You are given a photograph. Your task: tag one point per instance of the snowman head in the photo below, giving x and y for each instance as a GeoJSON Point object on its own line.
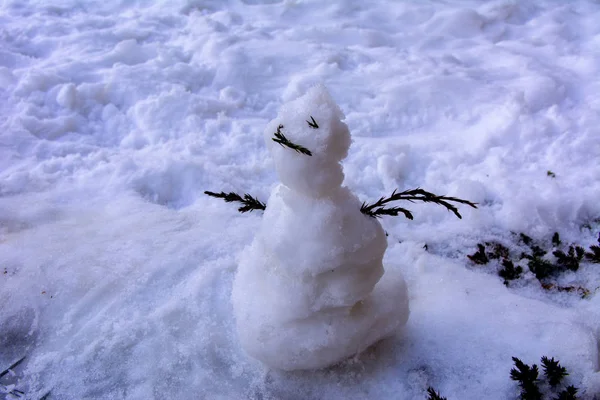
{"type": "Point", "coordinates": [313, 121]}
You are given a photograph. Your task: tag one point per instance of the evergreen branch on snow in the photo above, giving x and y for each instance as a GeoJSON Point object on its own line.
{"type": "Point", "coordinates": [284, 141]}
{"type": "Point", "coordinates": [249, 203]}
{"type": "Point", "coordinates": [378, 208]}
{"type": "Point", "coordinates": [312, 123]}
{"type": "Point", "coordinates": [570, 393]}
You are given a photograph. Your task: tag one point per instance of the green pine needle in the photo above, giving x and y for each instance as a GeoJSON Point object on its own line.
{"type": "Point", "coordinates": [284, 141]}
{"type": "Point", "coordinates": [378, 209]}
{"type": "Point", "coordinates": [249, 203]}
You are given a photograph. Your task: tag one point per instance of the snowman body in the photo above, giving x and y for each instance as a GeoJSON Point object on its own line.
{"type": "Point", "coordinates": [310, 290]}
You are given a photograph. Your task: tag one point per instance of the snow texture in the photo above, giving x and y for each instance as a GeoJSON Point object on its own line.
{"type": "Point", "coordinates": [305, 294]}
{"type": "Point", "coordinates": [116, 271]}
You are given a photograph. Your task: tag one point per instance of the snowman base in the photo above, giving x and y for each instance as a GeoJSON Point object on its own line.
{"type": "Point", "coordinates": [325, 338]}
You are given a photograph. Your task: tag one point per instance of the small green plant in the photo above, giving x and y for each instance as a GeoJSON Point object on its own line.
{"type": "Point", "coordinates": [499, 251]}
{"type": "Point", "coordinates": [479, 257]}
{"type": "Point", "coordinates": [433, 395]}
{"type": "Point", "coordinates": [553, 371]}
{"type": "Point", "coordinates": [528, 379]}
{"type": "Point", "coordinates": [509, 272]}
{"type": "Point", "coordinates": [540, 267]}
{"type": "Point", "coordinates": [570, 260]}
{"type": "Point", "coordinates": [554, 374]}
{"type": "Point", "coordinates": [249, 203]}
{"type": "Point", "coordinates": [526, 239]}
{"type": "Point", "coordinates": [551, 174]}
{"type": "Point", "coordinates": [570, 393]}
{"type": "Point", "coordinates": [566, 259]}
{"type": "Point", "coordinates": [594, 254]}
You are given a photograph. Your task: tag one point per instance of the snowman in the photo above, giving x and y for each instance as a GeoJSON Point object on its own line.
{"type": "Point", "coordinates": [310, 290]}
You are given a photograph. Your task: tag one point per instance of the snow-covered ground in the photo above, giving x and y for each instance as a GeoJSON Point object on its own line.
{"type": "Point", "coordinates": [116, 270]}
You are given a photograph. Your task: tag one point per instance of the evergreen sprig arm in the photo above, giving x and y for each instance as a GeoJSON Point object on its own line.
{"type": "Point", "coordinates": [249, 203]}
{"type": "Point", "coordinates": [284, 141]}
{"type": "Point", "coordinates": [378, 208]}
{"type": "Point", "coordinates": [393, 211]}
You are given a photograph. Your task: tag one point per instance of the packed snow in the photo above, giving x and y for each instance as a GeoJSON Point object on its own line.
{"type": "Point", "coordinates": [117, 271]}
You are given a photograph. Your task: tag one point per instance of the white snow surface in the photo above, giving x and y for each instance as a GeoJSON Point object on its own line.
{"type": "Point", "coordinates": [307, 293]}
{"type": "Point", "coordinates": [115, 116]}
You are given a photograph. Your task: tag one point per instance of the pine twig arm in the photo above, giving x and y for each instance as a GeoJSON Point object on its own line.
{"type": "Point", "coordinates": [373, 211]}
{"type": "Point", "coordinates": [378, 208]}
{"type": "Point", "coordinates": [284, 141]}
{"type": "Point", "coordinates": [249, 203]}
